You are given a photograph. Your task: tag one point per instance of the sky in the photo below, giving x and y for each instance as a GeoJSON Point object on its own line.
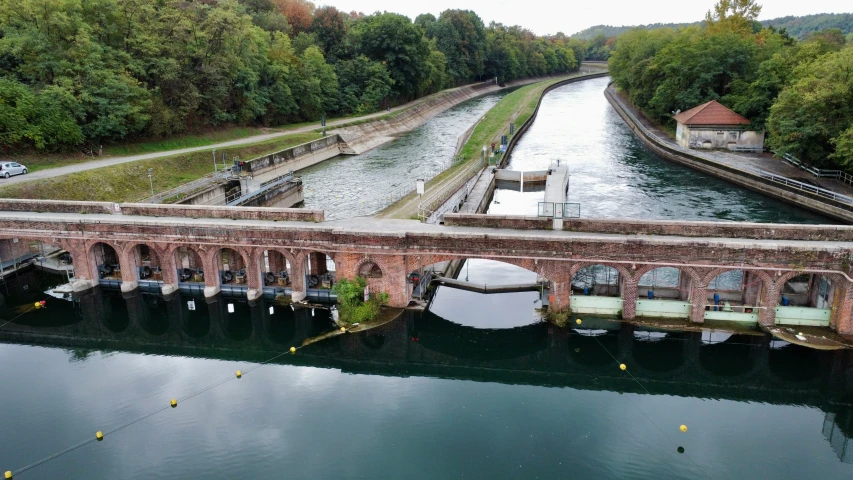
{"type": "Point", "coordinates": [545, 17]}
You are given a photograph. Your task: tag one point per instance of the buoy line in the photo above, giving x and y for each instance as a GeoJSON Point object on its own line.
{"type": "Point", "coordinates": [99, 436]}
{"type": "Point", "coordinates": [683, 428]}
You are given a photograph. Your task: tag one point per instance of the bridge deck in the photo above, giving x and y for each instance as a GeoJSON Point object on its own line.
{"type": "Point", "coordinates": [400, 228]}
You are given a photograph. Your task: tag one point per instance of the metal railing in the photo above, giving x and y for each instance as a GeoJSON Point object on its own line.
{"type": "Point", "coordinates": [795, 184]}
{"type": "Point", "coordinates": [237, 198]}
{"type": "Point", "coordinates": [818, 172]}
{"type": "Point", "coordinates": [805, 187]}
{"type": "Point", "coordinates": [433, 208]}
{"type": "Point", "coordinates": [188, 187]}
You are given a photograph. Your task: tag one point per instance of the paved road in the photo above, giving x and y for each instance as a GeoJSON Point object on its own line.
{"type": "Point", "coordinates": [106, 162]}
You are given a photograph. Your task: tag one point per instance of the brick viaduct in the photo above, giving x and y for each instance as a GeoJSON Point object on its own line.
{"type": "Point", "coordinates": [252, 239]}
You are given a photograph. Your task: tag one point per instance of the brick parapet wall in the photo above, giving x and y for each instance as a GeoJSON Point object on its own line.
{"type": "Point", "coordinates": [757, 231]}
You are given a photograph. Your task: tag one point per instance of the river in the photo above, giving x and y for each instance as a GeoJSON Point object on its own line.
{"type": "Point", "coordinates": [477, 386]}
{"type": "Point", "coordinates": [421, 397]}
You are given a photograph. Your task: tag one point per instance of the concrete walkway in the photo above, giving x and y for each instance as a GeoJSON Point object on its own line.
{"type": "Point", "coordinates": [367, 226]}
{"type": "Point", "coordinates": [742, 161]}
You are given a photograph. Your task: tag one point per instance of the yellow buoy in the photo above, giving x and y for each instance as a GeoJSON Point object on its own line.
{"type": "Point", "coordinates": [683, 428]}
{"type": "Point", "coordinates": [622, 366]}
{"type": "Point", "coordinates": [99, 436]}
{"type": "Point", "coordinates": [239, 374]}
{"type": "Point", "coordinates": [292, 349]}
{"type": "Point", "coordinates": [173, 403]}
{"type": "Point", "coordinates": [578, 321]}
{"type": "Point", "coordinates": [37, 305]}
{"type": "Point", "coordinates": [8, 474]}
{"type": "Point", "coordinates": [343, 329]}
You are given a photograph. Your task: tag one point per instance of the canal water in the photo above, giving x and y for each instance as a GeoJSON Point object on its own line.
{"type": "Point", "coordinates": [432, 395]}
{"type": "Point", "coordinates": [613, 175]}
{"type": "Point", "coordinates": [353, 186]}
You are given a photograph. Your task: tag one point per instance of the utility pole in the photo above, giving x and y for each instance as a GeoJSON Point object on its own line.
{"type": "Point", "coordinates": [214, 160]}
{"type": "Point", "coordinates": [151, 180]}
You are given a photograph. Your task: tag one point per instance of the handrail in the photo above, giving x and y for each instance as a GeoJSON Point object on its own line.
{"type": "Point", "coordinates": [779, 179]}
{"type": "Point", "coordinates": [818, 172]}
{"type": "Point", "coordinates": [435, 206]}
{"type": "Point", "coordinates": [187, 187]}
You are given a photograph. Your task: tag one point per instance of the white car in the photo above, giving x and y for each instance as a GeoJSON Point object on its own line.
{"type": "Point", "coordinates": [7, 169]}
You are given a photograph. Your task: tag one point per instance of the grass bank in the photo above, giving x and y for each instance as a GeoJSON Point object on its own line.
{"type": "Point", "coordinates": [518, 106]}
{"type": "Point", "coordinates": [128, 182]}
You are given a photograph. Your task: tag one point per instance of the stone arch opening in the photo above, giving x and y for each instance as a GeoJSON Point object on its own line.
{"type": "Point", "coordinates": [190, 265]}
{"type": "Point", "coordinates": [232, 267]}
{"type": "Point", "coordinates": [663, 283]}
{"type": "Point", "coordinates": [483, 293]}
{"type": "Point", "coordinates": [276, 268]}
{"type": "Point", "coordinates": [369, 269]}
{"type": "Point", "coordinates": [320, 270]}
{"type": "Point", "coordinates": [280, 324]}
{"type": "Point", "coordinates": [105, 261]}
{"type": "Point", "coordinates": [146, 262]}
{"type": "Point", "coordinates": [596, 280]}
{"type": "Point", "coordinates": [727, 291]}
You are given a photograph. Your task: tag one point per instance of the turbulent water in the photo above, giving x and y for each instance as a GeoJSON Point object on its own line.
{"type": "Point", "coordinates": [354, 186]}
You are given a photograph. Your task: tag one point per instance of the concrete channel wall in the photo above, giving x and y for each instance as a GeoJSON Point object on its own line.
{"type": "Point", "coordinates": [809, 201]}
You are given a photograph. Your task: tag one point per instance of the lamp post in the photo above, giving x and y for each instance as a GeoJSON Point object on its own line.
{"type": "Point", "coordinates": [151, 180]}
{"type": "Point", "coordinates": [485, 159]}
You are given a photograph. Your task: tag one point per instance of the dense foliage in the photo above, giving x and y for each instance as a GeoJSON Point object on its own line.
{"type": "Point", "coordinates": [93, 71]}
{"type": "Point", "coordinates": [351, 305]}
{"type": "Point", "coordinates": [800, 91]}
{"type": "Point", "coordinates": [798, 27]}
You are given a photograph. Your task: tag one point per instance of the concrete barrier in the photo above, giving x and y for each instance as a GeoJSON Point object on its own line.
{"type": "Point", "coordinates": [233, 213]}
{"type": "Point", "coordinates": [54, 206]}
{"type": "Point", "coordinates": [757, 231]}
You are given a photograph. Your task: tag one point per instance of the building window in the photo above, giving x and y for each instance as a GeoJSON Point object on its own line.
{"type": "Point", "coordinates": [733, 135]}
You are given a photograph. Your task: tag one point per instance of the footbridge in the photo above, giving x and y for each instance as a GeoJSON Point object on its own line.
{"type": "Point", "coordinates": [792, 274]}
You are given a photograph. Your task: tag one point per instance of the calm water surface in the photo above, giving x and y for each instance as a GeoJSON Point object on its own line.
{"type": "Point", "coordinates": [443, 394]}
{"type": "Point", "coordinates": [612, 175]}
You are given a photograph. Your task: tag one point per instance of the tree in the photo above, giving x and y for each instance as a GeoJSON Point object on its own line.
{"type": "Point", "coordinates": [812, 117]}
{"type": "Point", "coordinates": [734, 16]}
{"type": "Point", "coordinates": [399, 44]}
{"type": "Point", "coordinates": [330, 29]}
{"type": "Point", "coordinates": [299, 13]}
{"type": "Point", "coordinates": [460, 36]}
{"type": "Point", "coordinates": [365, 84]}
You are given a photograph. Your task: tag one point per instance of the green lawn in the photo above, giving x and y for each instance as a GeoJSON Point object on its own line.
{"type": "Point", "coordinates": [128, 182]}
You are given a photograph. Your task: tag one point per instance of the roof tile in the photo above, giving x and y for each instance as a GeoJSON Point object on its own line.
{"type": "Point", "coordinates": [711, 113]}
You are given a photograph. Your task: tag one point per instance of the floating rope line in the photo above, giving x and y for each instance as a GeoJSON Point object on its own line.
{"type": "Point", "coordinates": [30, 309]}
{"type": "Point", "coordinates": [649, 418]}
{"type": "Point", "coordinates": [148, 415]}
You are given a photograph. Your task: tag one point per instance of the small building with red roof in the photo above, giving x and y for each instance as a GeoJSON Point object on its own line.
{"type": "Point", "coordinates": [713, 125]}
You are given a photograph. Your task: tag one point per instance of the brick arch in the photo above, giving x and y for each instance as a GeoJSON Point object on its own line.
{"type": "Point", "coordinates": [619, 267]}
{"type": "Point", "coordinates": [366, 260]}
{"type": "Point", "coordinates": [549, 269]}
{"type": "Point", "coordinates": [780, 281]}
{"type": "Point", "coordinates": [690, 271]}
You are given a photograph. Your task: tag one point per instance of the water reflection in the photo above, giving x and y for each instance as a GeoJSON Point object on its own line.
{"type": "Point", "coordinates": [413, 382]}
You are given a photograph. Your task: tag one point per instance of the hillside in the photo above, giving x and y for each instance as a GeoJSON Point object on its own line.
{"type": "Point", "coordinates": [795, 26]}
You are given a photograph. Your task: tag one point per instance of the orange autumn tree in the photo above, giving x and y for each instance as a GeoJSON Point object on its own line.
{"type": "Point", "coordinates": [299, 13]}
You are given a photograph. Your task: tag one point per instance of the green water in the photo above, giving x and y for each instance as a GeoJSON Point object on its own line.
{"type": "Point", "coordinates": [613, 175]}
{"type": "Point", "coordinates": [440, 394]}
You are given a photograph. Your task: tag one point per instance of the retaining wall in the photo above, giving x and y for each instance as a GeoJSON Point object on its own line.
{"type": "Point", "coordinates": [815, 203]}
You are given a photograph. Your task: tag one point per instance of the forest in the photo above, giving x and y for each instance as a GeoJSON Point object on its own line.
{"type": "Point", "coordinates": [84, 72]}
{"type": "Point", "coordinates": [800, 91]}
